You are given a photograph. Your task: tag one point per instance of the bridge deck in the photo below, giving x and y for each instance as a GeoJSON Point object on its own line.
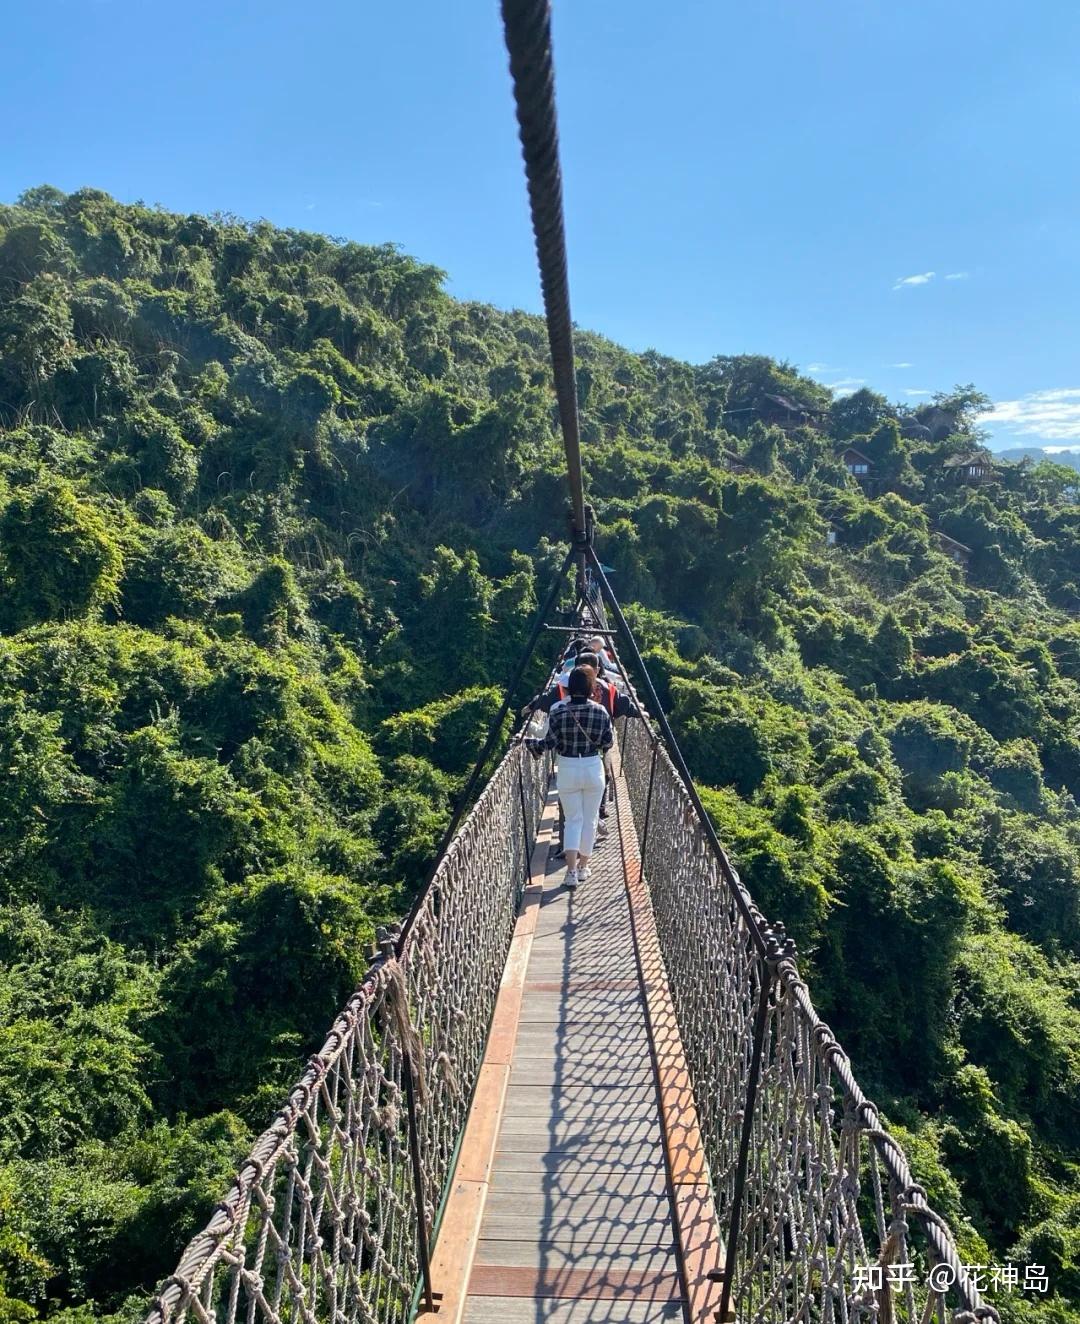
{"type": "Point", "coordinates": [584, 1218]}
{"type": "Point", "coordinates": [578, 1223]}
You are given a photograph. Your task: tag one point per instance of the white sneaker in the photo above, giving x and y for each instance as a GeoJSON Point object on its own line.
{"type": "Point", "coordinates": [571, 879]}
{"type": "Point", "coordinates": [583, 875]}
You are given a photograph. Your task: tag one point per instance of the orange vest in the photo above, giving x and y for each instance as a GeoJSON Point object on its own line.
{"type": "Point", "coordinates": [603, 693]}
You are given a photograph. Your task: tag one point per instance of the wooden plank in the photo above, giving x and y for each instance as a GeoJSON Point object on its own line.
{"type": "Point", "coordinates": [542, 1071]}
{"type": "Point", "coordinates": [580, 975]}
{"type": "Point", "coordinates": [602, 1281]}
{"type": "Point", "coordinates": [455, 1250]}
{"type": "Point", "coordinates": [556, 1166]}
{"type": "Point", "coordinates": [573, 1102]}
{"type": "Point", "coordinates": [556, 1043]}
{"type": "Point", "coordinates": [584, 1150]}
{"type": "Point", "coordinates": [577, 1253]}
{"type": "Point", "coordinates": [616, 1203]}
{"type": "Point", "coordinates": [570, 1036]}
{"type": "Point", "coordinates": [504, 1026]}
{"type": "Point", "coordinates": [702, 1251]}
{"type": "Point", "coordinates": [549, 1071]}
{"type": "Point", "coordinates": [555, 1310]}
{"type": "Point", "coordinates": [571, 1228]}
{"type": "Point", "coordinates": [615, 1127]}
{"type": "Point", "coordinates": [478, 1145]}
{"type": "Point", "coordinates": [530, 1253]}
{"type": "Point", "coordinates": [600, 1052]}
{"type": "Point", "coordinates": [589, 984]}
{"type": "Point", "coordinates": [583, 1185]}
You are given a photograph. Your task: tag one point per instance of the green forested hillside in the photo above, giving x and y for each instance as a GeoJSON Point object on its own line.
{"type": "Point", "coordinates": [273, 508]}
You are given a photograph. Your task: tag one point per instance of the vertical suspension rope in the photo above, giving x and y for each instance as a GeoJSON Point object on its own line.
{"type": "Point", "coordinates": [527, 25]}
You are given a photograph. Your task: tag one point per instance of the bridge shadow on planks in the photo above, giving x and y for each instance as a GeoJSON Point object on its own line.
{"type": "Point", "coordinates": [578, 1223]}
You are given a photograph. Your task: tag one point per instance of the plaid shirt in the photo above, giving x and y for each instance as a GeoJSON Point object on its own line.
{"type": "Point", "coordinates": [575, 729]}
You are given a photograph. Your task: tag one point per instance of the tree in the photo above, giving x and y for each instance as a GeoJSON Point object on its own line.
{"type": "Point", "coordinates": [856, 414]}
{"type": "Point", "coordinates": [58, 556]}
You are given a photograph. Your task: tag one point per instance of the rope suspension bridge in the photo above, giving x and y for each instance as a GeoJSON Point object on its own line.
{"type": "Point", "coordinates": [612, 1105]}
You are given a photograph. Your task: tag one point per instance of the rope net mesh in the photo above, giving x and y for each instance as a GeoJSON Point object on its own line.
{"type": "Point", "coordinates": [321, 1222]}
{"type": "Point", "coordinates": [832, 1226]}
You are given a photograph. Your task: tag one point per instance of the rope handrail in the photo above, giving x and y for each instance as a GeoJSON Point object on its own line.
{"type": "Point", "coordinates": [779, 1082]}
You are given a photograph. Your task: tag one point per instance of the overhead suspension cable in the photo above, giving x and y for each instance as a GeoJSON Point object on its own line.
{"type": "Point", "coordinates": [527, 25]}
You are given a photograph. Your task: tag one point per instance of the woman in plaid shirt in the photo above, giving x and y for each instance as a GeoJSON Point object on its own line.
{"type": "Point", "coordinates": [580, 732]}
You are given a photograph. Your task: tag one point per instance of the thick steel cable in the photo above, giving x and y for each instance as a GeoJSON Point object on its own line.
{"type": "Point", "coordinates": [527, 25]}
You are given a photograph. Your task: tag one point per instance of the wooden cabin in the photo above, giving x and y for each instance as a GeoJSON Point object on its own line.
{"type": "Point", "coordinates": [857, 464]}
{"type": "Point", "coordinates": [782, 412]}
{"type": "Point", "coordinates": [955, 551]}
{"type": "Point", "coordinates": [970, 467]}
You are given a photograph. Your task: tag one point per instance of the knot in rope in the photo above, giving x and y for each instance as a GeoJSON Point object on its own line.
{"type": "Point", "coordinates": [444, 1070]}
{"type": "Point", "coordinates": [396, 1008]}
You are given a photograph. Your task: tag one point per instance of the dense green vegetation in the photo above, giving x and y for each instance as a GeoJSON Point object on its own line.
{"type": "Point", "coordinates": [273, 509]}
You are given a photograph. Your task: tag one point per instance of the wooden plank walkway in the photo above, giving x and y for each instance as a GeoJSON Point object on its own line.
{"type": "Point", "coordinates": [581, 1195]}
{"type": "Point", "coordinates": [578, 1222]}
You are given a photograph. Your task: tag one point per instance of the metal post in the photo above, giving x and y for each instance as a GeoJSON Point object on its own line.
{"type": "Point", "coordinates": [648, 810]}
{"type": "Point", "coordinates": [768, 980]}
{"type": "Point", "coordinates": [418, 1180]}
{"type": "Point", "coordinates": [524, 816]}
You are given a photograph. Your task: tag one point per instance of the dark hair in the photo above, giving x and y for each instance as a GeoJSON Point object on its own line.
{"type": "Point", "coordinates": [580, 683]}
{"type": "Point", "coordinates": [574, 647]}
{"type": "Point", "coordinates": [589, 660]}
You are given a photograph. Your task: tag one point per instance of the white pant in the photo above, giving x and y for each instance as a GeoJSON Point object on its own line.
{"type": "Point", "coordinates": [581, 788]}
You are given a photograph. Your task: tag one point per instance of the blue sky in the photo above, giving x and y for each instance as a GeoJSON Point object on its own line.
{"type": "Point", "coordinates": [878, 192]}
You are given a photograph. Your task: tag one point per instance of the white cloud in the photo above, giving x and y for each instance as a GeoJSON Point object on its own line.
{"type": "Point", "coordinates": [818, 367]}
{"type": "Point", "coordinates": [957, 275]}
{"type": "Point", "coordinates": [1054, 415]}
{"type": "Point", "coordinates": [923, 278]}
{"type": "Point", "coordinates": [918, 393]}
{"type": "Point", "coordinates": [901, 365]}
{"type": "Point", "coordinates": [846, 385]}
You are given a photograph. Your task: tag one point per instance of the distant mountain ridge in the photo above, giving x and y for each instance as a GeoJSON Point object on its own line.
{"type": "Point", "coordinates": [1037, 453]}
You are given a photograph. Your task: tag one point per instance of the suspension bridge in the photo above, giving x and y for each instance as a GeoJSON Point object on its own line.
{"type": "Point", "coordinates": [609, 1106]}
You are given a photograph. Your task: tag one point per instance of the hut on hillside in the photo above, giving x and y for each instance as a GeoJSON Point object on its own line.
{"type": "Point", "coordinates": [974, 466]}
{"type": "Point", "coordinates": [955, 551]}
{"type": "Point", "coordinates": [783, 412]}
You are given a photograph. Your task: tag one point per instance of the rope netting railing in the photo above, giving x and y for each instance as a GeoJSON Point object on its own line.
{"type": "Point", "coordinates": [823, 1218]}
{"type": "Point", "coordinates": [322, 1221]}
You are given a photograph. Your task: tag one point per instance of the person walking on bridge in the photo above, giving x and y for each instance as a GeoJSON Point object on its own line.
{"type": "Point", "coordinates": [604, 692]}
{"type": "Point", "coordinates": [598, 645]}
{"type": "Point", "coordinates": [618, 704]}
{"type": "Point", "coordinates": [580, 732]}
